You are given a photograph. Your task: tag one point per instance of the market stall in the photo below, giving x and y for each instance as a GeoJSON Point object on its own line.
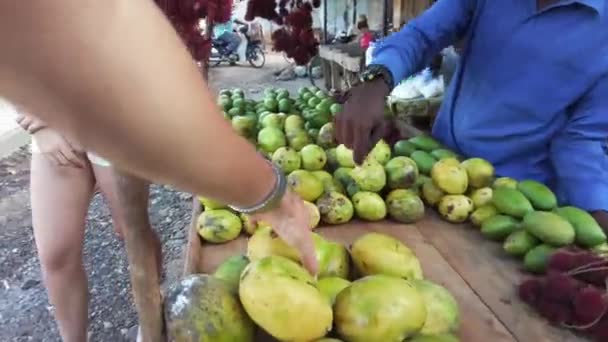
{"type": "Point", "coordinates": [446, 221]}
{"type": "Point", "coordinates": [466, 237]}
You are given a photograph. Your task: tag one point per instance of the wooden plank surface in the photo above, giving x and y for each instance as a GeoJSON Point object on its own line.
{"type": "Point", "coordinates": [478, 322]}
{"type": "Point", "coordinates": [493, 276]}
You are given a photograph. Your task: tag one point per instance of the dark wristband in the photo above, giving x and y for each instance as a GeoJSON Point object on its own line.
{"type": "Point", "coordinates": [378, 71]}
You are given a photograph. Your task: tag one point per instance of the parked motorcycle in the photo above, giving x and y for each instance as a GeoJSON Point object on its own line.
{"type": "Point", "coordinates": [254, 54]}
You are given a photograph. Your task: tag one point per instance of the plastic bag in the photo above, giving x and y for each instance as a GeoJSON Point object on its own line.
{"type": "Point", "coordinates": [404, 91]}
{"type": "Point", "coordinates": [369, 54]}
{"type": "Point", "coordinates": [241, 50]}
{"type": "Point", "coordinates": [432, 88]}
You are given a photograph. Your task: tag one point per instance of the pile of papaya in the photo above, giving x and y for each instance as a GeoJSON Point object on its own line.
{"type": "Point", "coordinates": [373, 290]}
{"type": "Point", "coordinates": [289, 132]}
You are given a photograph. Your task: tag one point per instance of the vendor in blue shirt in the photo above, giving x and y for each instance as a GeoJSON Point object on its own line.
{"type": "Point", "coordinates": [530, 93]}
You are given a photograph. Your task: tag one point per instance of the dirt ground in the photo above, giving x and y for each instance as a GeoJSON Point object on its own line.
{"type": "Point", "coordinates": [25, 312]}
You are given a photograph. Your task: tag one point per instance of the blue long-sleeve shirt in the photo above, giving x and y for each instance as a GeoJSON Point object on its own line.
{"type": "Point", "coordinates": [530, 93]}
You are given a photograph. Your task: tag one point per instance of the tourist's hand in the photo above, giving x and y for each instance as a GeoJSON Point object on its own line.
{"type": "Point", "coordinates": [291, 221]}
{"type": "Point", "coordinates": [29, 123]}
{"type": "Point", "coordinates": [58, 150]}
{"type": "Point", "coordinates": [361, 123]}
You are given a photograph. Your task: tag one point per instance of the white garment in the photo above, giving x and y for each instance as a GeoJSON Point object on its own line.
{"type": "Point", "coordinates": [241, 50]}
{"type": "Point", "coordinates": [93, 158]}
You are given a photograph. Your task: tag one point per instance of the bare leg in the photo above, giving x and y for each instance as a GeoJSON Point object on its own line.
{"type": "Point", "coordinates": [143, 250]}
{"type": "Point", "coordinates": [60, 199]}
{"type": "Point", "coordinates": [107, 179]}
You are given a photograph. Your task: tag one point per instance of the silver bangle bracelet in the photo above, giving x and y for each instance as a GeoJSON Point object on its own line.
{"type": "Point", "coordinates": [273, 198]}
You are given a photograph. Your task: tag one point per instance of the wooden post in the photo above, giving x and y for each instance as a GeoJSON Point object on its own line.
{"type": "Point", "coordinates": [385, 18]}
{"type": "Point", "coordinates": [193, 252]}
{"type": "Point", "coordinates": [397, 13]}
{"type": "Point", "coordinates": [326, 65]}
{"type": "Point", "coordinates": [208, 36]}
{"type": "Point", "coordinates": [211, 10]}
{"type": "Point", "coordinates": [325, 40]}
{"type": "Point", "coordinates": [336, 77]}
{"type": "Point", "coordinates": [140, 244]}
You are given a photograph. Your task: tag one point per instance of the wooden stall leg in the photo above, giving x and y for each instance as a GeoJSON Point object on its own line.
{"type": "Point", "coordinates": [193, 250]}
{"type": "Point", "coordinates": [336, 79]}
{"type": "Point", "coordinates": [141, 244]}
{"type": "Point", "coordinates": [326, 65]}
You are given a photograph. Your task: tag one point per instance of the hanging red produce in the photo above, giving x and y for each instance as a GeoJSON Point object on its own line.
{"type": "Point", "coordinates": [185, 15]}
{"type": "Point", "coordinates": [296, 37]}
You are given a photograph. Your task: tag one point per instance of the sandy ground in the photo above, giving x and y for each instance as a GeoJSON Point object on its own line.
{"type": "Point", "coordinates": [25, 312]}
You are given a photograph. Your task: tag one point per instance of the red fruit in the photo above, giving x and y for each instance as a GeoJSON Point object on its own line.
{"type": "Point", "coordinates": [530, 290]}
{"type": "Point", "coordinates": [307, 7]}
{"type": "Point", "coordinates": [224, 11]}
{"type": "Point", "coordinates": [250, 13]}
{"type": "Point", "coordinates": [585, 258]}
{"type": "Point", "coordinates": [589, 305]}
{"type": "Point", "coordinates": [300, 19]}
{"type": "Point", "coordinates": [562, 261]}
{"type": "Point", "coordinates": [600, 330]}
{"type": "Point", "coordinates": [560, 288]}
{"type": "Point", "coordinates": [554, 312]}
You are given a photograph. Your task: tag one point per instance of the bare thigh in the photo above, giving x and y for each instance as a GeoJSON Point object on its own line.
{"type": "Point", "coordinates": [60, 198]}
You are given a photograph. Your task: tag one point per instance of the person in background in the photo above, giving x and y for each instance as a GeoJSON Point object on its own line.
{"type": "Point", "coordinates": [365, 36]}
{"type": "Point", "coordinates": [530, 101]}
{"type": "Point", "coordinates": [63, 180]}
{"type": "Point", "coordinates": [224, 32]}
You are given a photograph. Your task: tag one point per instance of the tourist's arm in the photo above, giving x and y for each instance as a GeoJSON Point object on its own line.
{"type": "Point", "coordinates": [115, 76]}
{"type": "Point", "coordinates": [579, 154]}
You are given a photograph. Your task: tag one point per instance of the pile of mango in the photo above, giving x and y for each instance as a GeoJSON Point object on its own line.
{"type": "Point", "coordinates": [523, 215]}
{"type": "Point", "coordinates": [383, 297]}
{"type": "Point", "coordinates": [301, 142]}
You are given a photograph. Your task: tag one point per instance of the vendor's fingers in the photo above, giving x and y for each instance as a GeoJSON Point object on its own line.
{"type": "Point", "coordinates": [362, 143]}
{"type": "Point", "coordinates": [339, 126]}
{"type": "Point", "coordinates": [378, 132]}
{"type": "Point", "coordinates": [349, 134]}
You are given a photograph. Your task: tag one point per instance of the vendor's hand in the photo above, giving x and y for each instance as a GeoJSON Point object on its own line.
{"type": "Point", "coordinates": [361, 123]}
{"type": "Point", "coordinates": [291, 221]}
{"type": "Point", "coordinates": [58, 150]}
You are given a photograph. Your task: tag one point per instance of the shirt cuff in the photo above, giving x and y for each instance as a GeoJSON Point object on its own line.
{"type": "Point", "coordinates": [389, 58]}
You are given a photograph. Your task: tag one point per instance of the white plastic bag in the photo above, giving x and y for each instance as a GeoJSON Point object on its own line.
{"type": "Point", "coordinates": [432, 88]}
{"type": "Point", "coordinates": [241, 50]}
{"type": "Point", "coordinates": [369, 53]}
{"type": "Point", "coordinates": [405, 91]}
